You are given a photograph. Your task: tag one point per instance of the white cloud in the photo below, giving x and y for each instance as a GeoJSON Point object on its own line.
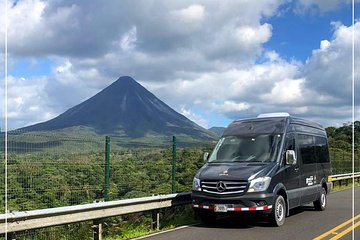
{"type": "Point", "coordinates": [202, 56]}
{"type": "Point", "coordinates": [328, 70]}
{"type": "Point", "coordinates": [230, 106]}
{"type": "Point", "coordinates": [194, 117]}
{"type": "Point", "coordinates": [239, 43]}
{"type": "Point", "coordinates": [192, 14]}
{"type": "Point", "coordinates": [23, 19]}
{"type": "Point", "coordinates": [322, 5]}
{"type": "Point", "coordinates": [128, 40]}
{"type": "Point", "coordinates": [27, 101]}
{"type": "Point", "coordinates": [324, 44]}
{"type": "Point", "coordinates": [285, 91]}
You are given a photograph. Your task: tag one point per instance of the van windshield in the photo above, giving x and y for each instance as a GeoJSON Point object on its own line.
{"type": "Point", "coordinates": [259, 148]}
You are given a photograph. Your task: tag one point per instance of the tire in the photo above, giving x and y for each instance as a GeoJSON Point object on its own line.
{"type": "Point", "coordinates": [278, 213]}
{"type": "Point", "coordinates": [320, 204]}
{"type": "Point", "coordinates": [206, 218]}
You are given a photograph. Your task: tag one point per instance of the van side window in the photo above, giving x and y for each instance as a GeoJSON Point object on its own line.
{"type": "Point", "coordinates": [321, 150]}
{"type": "Point", "coordinates": [313, 149]}
{"type": "Point", "coordinates": [290, 142]}
{"type": "Point", "coordinates": [306, 146]}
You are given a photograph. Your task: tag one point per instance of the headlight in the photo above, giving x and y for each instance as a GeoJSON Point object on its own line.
{"type": "Point", "coordinates": [196, 184]}
{"type": "Point", "coordinates": [259, 184]}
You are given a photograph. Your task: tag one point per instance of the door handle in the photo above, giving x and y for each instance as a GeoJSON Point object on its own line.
{"type": "Point", "coordinates": [297, 169]}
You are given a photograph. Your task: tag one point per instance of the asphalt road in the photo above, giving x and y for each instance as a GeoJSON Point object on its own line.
{"type": "Point", "coordinates": [303, 223]}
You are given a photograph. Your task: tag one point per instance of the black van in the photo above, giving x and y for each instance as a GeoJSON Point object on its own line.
{"type": "Point", "coordinates": [269, 165]}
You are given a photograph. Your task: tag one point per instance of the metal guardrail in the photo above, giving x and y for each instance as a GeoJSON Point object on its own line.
{"type": "Point", "coordinates": [339, 178]}
{"type": "Point", "coordinates": [20, 221]}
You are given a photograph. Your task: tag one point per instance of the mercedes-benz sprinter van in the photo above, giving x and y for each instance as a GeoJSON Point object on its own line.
{"type": "Point", "coordinates": [268, 165]}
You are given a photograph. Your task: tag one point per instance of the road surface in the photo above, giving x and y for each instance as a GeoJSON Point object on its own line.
{"type": "Point", "coordinates": [303, 223]}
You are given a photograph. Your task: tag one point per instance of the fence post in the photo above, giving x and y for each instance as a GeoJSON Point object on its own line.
{"type": "Point", "coordinates": [107, 168]}
{"type": "Point", "coordinates": [173, 183]}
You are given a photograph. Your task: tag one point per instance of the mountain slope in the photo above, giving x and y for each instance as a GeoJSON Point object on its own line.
{"type": "Point", "coordinates": [217, 130]}
{"type": "Point", "coordinates": [125, 106]}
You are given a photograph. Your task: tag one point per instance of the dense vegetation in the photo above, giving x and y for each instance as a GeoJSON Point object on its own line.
{"type": "Point", "coordinates": [340, 142]}
{"type": "Point", "coordinates": [341, 138]}
{"type": "Point", "coordinates": [50, 171]}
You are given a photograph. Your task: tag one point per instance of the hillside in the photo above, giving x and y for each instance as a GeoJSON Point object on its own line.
{"type": "Point", "coordinates": [217, 130]}
{"type": "Point", "coordinates": [128, 110]}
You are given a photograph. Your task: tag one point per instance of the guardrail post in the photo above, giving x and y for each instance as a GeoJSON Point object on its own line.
{"type": "Point", "coordinates": [9, 236]}
{"type": "Point", "coordinates": [107, 168]}
{"type": "Point", "coordinates": [173, 182]}
{"type": "Point", "coordinates": [155, 224]}
{"type": "Point", "coordinates": [97, 229]}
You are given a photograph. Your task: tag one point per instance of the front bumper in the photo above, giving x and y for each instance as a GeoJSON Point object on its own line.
{"type": "Point", "coordinates": [248, 202]}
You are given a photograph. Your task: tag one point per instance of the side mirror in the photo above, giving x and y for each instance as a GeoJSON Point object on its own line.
{"type": "Point", "coordinates": [206, 156]}
{"type": "Point", "coordinates": [290, 157]}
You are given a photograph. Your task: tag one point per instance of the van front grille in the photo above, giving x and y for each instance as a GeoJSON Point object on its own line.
{"type": "Point", "coordinates": [224, 187]}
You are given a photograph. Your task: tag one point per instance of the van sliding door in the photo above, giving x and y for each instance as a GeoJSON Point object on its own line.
{"type": "Point", "coordinates": [309, 177]}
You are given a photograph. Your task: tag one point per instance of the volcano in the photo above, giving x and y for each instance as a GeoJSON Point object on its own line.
{"type": "Point", "coordinates": [127, 107]}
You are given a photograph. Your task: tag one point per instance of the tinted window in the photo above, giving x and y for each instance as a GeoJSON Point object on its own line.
{"type": "Point", "coordinates": [321, 150]}
{"type": "Point", "coordinates": [313, 149]}
{"type": "Point", "coordinates": [306, 129]}
{"type": "Point", "coordinates": [290, 142]}
{"type": "Point", "coordinates": [306, 144]}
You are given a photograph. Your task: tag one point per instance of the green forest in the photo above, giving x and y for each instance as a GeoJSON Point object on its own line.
{"type": "Point", "coordinates": [46, 171]}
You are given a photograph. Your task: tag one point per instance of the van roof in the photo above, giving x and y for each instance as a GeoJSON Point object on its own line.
{"type": "Point", "coordinates": [292, 119]}
{"type": "Point", "coordinates": [270, 122]}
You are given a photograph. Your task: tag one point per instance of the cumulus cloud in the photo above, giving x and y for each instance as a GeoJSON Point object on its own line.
{"type": "Point", "coordinates": [194, 117]}
{"type": "Point", "coordinates": [329, 69]}
{"type": "Point", "coordinates": [240, 43]}
{"type": "Point", "coordinates": [128, 40]}
{"type": "Point", "coordinates": [303, 6]}
{"type": "Point", "coordinates": [207, 55]}
{"type": "Point", "coordinates": [190, 15]}
{"type": "Point", "coordinates": [285, 91]}
{"type": "Point", "coordinates": [237, 93]}
{"type": "Point", "coordinates": [230, 106]}
{"type": "Point", "coordinates": [26, 101]}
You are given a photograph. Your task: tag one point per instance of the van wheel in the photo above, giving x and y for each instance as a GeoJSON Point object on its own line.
{"type": "Point", "coordinates": [320, 204]}
{"type": "Point", "coordinates": [277, 215]}
{"type": "Point", "coordinates": [206, 218]}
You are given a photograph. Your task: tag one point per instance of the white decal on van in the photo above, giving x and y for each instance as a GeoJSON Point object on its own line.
{"type": "Point", "coordinates": [310, 180]}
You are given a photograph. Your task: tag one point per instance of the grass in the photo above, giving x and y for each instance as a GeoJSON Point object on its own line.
{"type": "Point", "coordinates": [132, 231]}
{"type": "Point", "coordinates": [342, 187]}
{"type": "Point", "coordinates": [170, 219]}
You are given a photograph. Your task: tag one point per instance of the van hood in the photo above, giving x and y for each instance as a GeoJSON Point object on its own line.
{"type": "Point", "coordinates": [234, 171]}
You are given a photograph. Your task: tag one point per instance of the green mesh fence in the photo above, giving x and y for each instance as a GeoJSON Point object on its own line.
{"type": "Point", "coordinates": [341, 160]}
{"type": "Point", "coordinates": [47, 170]}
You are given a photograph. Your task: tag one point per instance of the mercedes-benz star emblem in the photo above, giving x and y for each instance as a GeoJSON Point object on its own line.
{"type": "Point", "coordinates": [221, 186]}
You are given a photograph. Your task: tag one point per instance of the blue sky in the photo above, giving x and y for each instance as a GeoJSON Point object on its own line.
{"type": "Point", "coordinates": [213, 61]}
{"type": "Point", "coordinates": [296, 35]}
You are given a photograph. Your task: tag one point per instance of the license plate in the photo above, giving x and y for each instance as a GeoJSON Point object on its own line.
{"type": "Point", "coordinates": [220, 208]}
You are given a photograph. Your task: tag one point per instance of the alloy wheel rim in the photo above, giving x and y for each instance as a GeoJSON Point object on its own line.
{"type": "Point", "coordinates": [323, 200]}
{"type": "Point", "coordinates": [279, 211]}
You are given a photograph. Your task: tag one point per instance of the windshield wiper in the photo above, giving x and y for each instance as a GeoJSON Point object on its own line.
{"type": "Point", "coordinates": [220, 162]}
{"type": "Point", "coordinates": [247, 161]}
